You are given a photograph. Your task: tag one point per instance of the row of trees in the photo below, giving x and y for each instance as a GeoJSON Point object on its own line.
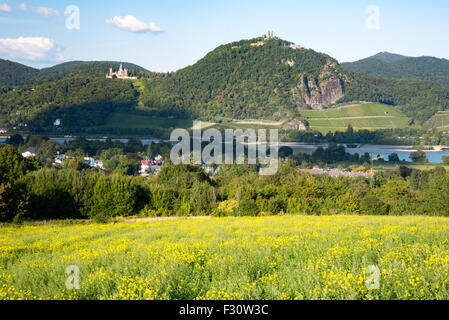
{"type": "Point", "coordinates": [28, 191]}
{"type": "Point", "coordinates": [405, 136]}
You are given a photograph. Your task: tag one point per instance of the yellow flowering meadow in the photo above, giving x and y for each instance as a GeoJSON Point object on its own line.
{"type": "Point", "coordinates": [283, 257]}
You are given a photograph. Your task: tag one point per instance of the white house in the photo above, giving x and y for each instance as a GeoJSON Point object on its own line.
{"type": "Point", "coordinates": [57, 122]}
{"type": "Point", "coordinates": [89, 161]}
{"type": "Point", "coordinates": [30, 152]}
{"type": "Point", "coordinates": [99, 164]}
{"type": "Point", "coordinates": [59, 158]}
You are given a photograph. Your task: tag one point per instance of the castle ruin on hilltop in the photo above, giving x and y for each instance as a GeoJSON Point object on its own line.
{"type": "Point", "coordinates": [122, 73]}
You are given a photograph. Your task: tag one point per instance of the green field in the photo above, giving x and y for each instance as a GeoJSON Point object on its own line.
{"type": "Point", "coordinates": [369, 116]}
{"type": "Point", "coordinates": [279, 257]}
{"type": "Point", "coordinates": [439, 121]}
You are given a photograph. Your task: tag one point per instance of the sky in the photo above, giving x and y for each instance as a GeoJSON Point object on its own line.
{"type": "Point", "coordinates": [166, 35]}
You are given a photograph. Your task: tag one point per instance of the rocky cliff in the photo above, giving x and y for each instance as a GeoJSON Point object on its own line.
{"type": "Point", "coordinates": [317, 92]}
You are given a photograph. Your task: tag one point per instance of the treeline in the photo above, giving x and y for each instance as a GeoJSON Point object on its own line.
{"type": "Point", "coordinates": [30, 192]}
{"type": "Point", "coordinates": [406, 136]}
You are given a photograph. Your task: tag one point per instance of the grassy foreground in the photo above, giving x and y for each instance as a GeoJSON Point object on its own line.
{"type": "Point", "coordinates": [286, 257]}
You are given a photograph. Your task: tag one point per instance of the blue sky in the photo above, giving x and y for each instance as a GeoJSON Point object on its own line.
{"type": "Point", "coordinates": [34, 32]}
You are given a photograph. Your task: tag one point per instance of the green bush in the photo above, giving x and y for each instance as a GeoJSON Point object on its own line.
{"type": "Point", "coordinates": [114, 196]}
{"type": "Point", "coordinates": [371, 205]}
{"type": "Point", "coordinates": [248, 207]}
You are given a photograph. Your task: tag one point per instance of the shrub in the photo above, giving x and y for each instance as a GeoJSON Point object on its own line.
{"type": "Point", "coordinates": [227, 208]}
{"type": "Point", "coordinates": [248, 207]}
{"type": "Point", "coordinates": [114, 196]}
{"type": "Point", "coordinates": [371, 205]}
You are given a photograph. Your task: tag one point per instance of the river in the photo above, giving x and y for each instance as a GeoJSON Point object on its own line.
{"type": "Point", "coordinates": [434, 156]}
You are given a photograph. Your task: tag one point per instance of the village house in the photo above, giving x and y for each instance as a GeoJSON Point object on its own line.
{"type": "Point", "coordinates": [99, 164]}
{"type": "Point", "coordinates": [151, 166]}
{"type": "Point", "coordinates": [89, 162]}
{"type": "Point", "coordinates": [30, 152]}
{"type": "Point", "coordinates": [59, 158]}
{"type": "Point", "coordinates": [145, 168]}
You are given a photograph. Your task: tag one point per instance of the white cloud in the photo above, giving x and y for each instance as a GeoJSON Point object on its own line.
{"type": "Point", "coordinates": [4, 7]}
{"type": "Point", "coordinates": [48, 12]}
{"type": "Point", "coordinates": [132, 24]}
{"type": "Point", "coordinates": [22, 6]}
{"type": "Point", "coordinates": [30, 48]}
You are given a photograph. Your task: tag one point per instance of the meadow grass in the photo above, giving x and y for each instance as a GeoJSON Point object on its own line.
{"type": "Point", "coordinates": [336, 119]}
{"type": "Point", "coordinates": [282, 257]}
{"type": "Point", "coordinates": [360, 110]}
{"type": "Point", "coordinates": [439, 121]}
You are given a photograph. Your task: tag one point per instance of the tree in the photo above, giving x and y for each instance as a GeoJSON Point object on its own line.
{"type": "Point", "coordinates": [13, 164]}
{"type": "Point", "coordinates": [405, 172]}
{"type": "Point", "coordinates": [393, 157]}
{"type": "Point", "coordinates": [419, 156]}
{"type": "Point", "coordinates": [285, 152]}
{"type": "Point", "coordinates": [113, 196]}
{"type": "Point", "coordinates": [372, 205]}
{"type": "Point", "coordinates": [436, 196]}
{"type": "Point", "coordinates": [15, 140]}
{"type": "Point", "coordinates": [445, 159]}
{"type": "Point", "coordinates": [47, 151]}
{"type": "Point", "coordinates": [14, 202]}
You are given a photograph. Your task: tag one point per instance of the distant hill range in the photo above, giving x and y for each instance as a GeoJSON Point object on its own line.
{"type": "Point", "coordinates": [391, 65]}
{"type": "Point", "coordinates": [14, 73]}
{"type": "Point", "coordinates": [266, 78]}
{"type": "Point", "coordinates": [260, 78]}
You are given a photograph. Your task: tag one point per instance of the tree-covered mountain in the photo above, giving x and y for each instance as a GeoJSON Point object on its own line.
{"type": "Point", "coordinates": [388, 57]}
{"type": "Point", "coordinates": [76, 92]}
{"type": "Point", "coordinates": [272, 78]}
{"type": "Point", "coordinates": [258, 78]}
{"type": "Point", "coordinates": [250, 79]}
{"type": "Point", "coordinates": [13, 73]}
{"type": "Point", "coordinates": [399, 67]}
{"type": "Point", "coordinates": [89, 68]}
{"type": "Point", "coordinates": [79, 100]}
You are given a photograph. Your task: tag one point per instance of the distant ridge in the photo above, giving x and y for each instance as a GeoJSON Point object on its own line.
{"type": "Point", "coordinates": [388, 57]}
{"type": "Point", "coordinates": [14, 73]}
{"type": "Point", "coordinates": [396, 66]}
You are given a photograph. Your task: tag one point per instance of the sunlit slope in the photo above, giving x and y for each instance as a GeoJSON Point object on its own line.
{"type": "Point", "coordinates": [360, 116]}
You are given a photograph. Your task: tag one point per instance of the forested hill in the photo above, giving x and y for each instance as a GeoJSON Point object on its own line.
{"type": "Point", "coordinates": [395, 66]}
{"type": "Point", "coordinates": [250, 79]}
{"type": "Point", "coordinates": [13, 73]}
{"type": "Point", "coordinates": [256, 78]}
{"type": "Point", "coordinates": [261, 78]}
{"type": "Point", "coordinates": [76, 92]}
{"type": "Point", "coordinates": [89, 68]}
